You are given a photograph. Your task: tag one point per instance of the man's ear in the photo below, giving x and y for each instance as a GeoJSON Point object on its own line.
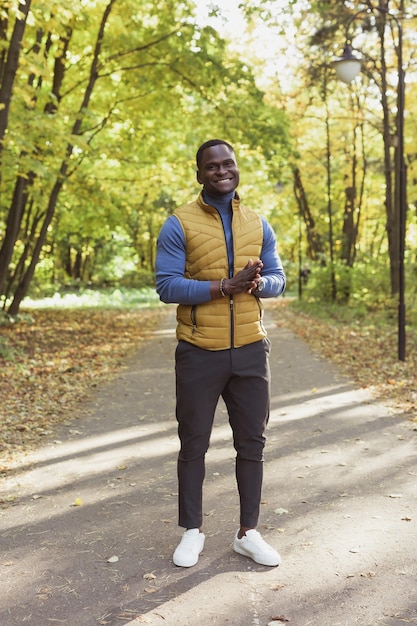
{"type": "Point", "coordinates": [197, 174]}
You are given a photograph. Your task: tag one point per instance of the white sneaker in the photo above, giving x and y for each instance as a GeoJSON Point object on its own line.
{"type": "Point", "coordinates": [189, 548]}
{"type": "Point", "coordinates": [256, 548]}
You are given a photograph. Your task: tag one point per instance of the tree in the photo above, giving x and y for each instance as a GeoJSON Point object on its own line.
{"type": "Point", "coordinates": [100, 99]}
{"type": "Point", "coordinates": [380, 24]}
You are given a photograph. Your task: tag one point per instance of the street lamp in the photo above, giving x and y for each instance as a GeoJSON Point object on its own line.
{"type": "Point", "coordinates": [347, 67]}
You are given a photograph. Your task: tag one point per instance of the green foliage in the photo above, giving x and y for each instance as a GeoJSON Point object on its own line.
{"type": "Point", "coordinates": [361, 291]}
{"type": "Point", "coordinates": [103, 129]}
{"type": "Point", "coordinates": [379, 316]}
{"type": "Point", "coordinates": [364, 283]}
{"type": "Point", "coordinates": [112, 123]}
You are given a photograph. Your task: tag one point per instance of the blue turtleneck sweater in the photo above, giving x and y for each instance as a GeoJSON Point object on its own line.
{"type": "Point", "coordinates": [223, 204]}
{"type": "Point", "coordinates": [171, 257]}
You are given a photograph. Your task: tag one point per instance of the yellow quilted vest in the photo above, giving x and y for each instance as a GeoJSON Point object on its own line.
{"type": "Point", "coordinates": [224, 322]}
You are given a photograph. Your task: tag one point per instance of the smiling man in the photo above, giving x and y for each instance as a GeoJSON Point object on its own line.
{"type": "Point", "coordinates": [216, 259]}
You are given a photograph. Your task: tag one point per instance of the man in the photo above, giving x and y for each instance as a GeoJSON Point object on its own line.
{"type": "Point", "coordinates": [216, 259]}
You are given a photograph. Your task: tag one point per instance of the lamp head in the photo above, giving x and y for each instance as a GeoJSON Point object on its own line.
{"type": "Point", "coordinates": [347, 66]}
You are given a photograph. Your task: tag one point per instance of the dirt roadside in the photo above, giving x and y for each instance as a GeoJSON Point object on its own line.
{"type": "Point", "coordinates": [89, 538]}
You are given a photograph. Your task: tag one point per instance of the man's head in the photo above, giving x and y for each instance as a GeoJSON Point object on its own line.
{"type": "Point", "coordinates": [217, 169]}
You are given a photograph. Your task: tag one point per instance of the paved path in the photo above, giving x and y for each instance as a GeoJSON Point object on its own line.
{"type": "Point", "coordinates": [339, 504]}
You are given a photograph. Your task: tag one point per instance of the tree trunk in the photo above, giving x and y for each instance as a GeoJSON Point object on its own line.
{"type": "Point", "coordinates": [10, 69]}
{"type": "Point", "coordinates": [349, 230]}
{"type": "Point", "coordinates": [314, 244]}
{"type": "Point", "coordinates": [23, 184]}
{"type": "Point", "coordinates": [353, 203]}
{"type": "Point", "coordinates": [14, 220]}
{"type": "Point", "coordinates": [24, 284]}
{"type": "Point", "coordinates": [333, 286]}
{"type": "Point", "coordinates": [389, 140]}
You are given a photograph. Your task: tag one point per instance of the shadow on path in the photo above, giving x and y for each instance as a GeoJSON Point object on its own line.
{"type": "Point", "coordinates": [339, 503]}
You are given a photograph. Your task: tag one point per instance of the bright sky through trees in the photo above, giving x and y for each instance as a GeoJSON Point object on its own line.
{"type": "Point", "coordinates": [259, 43]}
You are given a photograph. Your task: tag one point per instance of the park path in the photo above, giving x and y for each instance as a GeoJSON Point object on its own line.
{"type": "Point", "coordinates": [90, 536]}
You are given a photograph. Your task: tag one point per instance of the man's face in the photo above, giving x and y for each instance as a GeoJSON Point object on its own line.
{"type": "Point", "coordinates": [218, 171]}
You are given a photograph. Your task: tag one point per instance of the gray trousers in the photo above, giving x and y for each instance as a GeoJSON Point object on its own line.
{"type": "Point", "coordinates": [242, 377]}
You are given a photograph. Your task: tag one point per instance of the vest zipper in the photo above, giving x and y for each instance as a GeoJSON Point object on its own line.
{"type": "Point", "coordinates": [232, 324]}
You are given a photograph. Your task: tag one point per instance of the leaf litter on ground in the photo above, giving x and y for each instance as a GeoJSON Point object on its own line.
{"type": "Point", "coordinates": [53, 361]}
{"type": "Point", "coordinates": [364, 352]}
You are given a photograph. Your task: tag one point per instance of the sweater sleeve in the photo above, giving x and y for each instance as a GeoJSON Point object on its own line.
{"type": "Point", "coordinates": [272, 271]}
{"type": "Point", "coordinates": [171, 285]}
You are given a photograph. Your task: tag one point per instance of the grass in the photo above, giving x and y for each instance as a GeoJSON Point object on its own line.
{"type": "Point", "coordinates": [88, 298]}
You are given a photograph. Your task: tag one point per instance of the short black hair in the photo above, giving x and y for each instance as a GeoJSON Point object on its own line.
{"type": "Point", "coordinates": [209, 144]}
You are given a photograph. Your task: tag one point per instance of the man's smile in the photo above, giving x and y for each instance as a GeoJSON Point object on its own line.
{"type": "Point", "coordinates": [218, 171]}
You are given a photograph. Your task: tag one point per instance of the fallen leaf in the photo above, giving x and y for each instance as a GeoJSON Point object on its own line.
{"type": "Point", "coordinates": [52, 367]}
{"type": "Point", "coordinates": [149, 576]}
{"type": "Point", "coordinates": [281, 511]}
{"type": "Point", "coordinates": [77, 502]}
{"type": "Point", "coordinates": [113, 559]}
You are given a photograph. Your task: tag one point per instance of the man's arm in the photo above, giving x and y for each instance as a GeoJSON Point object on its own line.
{"type": "Point", "coordinates": [172, 287]}
{"type": "Point", "coordinates": [272, 272]}
{"type": "Point", "coordinates": [170, 266]}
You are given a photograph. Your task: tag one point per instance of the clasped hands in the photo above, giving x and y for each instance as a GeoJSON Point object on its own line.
{"type": "Point", "coordinates": [246, 280]}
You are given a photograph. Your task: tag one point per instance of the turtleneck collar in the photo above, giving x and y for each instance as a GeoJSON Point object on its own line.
{"type": "Point", "coordinates": [222, 203]}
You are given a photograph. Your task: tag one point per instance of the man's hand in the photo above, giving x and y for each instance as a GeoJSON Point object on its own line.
{"type": "Point", "coordinates": [246, 280]}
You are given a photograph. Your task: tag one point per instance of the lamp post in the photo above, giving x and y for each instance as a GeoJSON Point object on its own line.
{"type": "Point", "coordinates": [347, 68]}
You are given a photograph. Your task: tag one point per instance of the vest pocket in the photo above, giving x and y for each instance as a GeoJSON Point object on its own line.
{"type": "Point", "coordinates": [193, 317]}
{"type": "Point", "coordinates": [261, 314]}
